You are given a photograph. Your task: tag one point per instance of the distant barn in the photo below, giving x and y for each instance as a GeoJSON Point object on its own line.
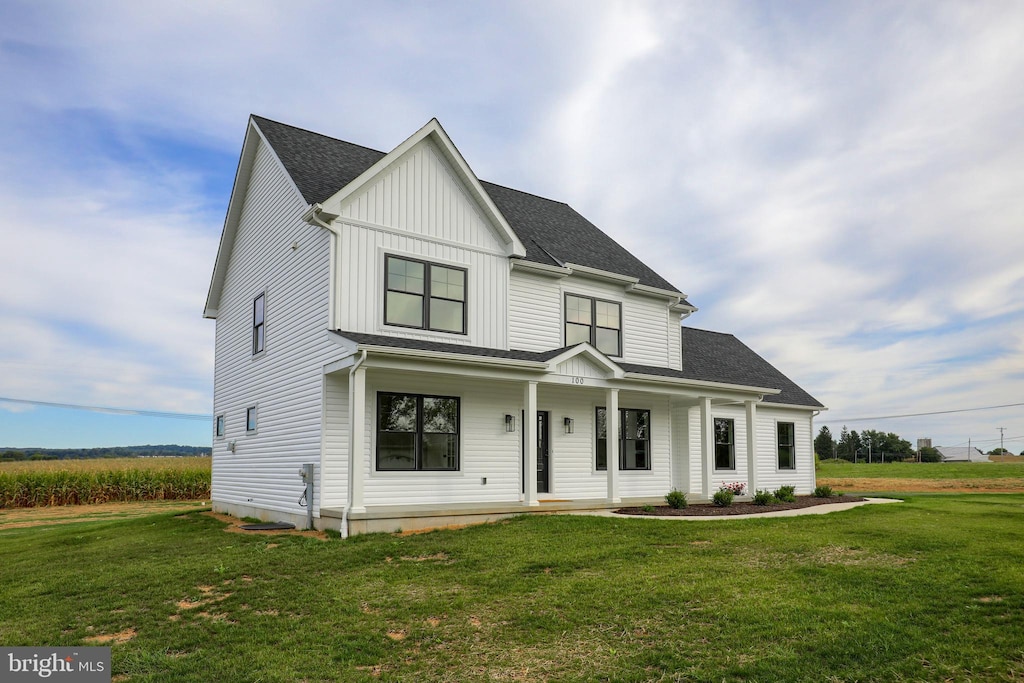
{"type": "Point", "coordinates": [961, 454]}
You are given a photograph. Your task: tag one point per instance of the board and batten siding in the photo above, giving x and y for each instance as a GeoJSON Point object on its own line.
{"type": "Point", "coordinates": [418, 208]}
{"type": "Point", "coordinates": [283, 382]}
{"type": "Point", "coordinates": [536, 318]}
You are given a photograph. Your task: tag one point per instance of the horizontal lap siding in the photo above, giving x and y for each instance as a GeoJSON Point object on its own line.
{"type": "Point", "coordinates": [681, 454]}
{"type": "Point", "coordinates": [644, 320]}
{"type": "Point", "coordinates": [285, 381]}
{"type": "Point", "coordinates": [535, 313]}
{"type": "Point", "coordinates": [487, 450]}
{"type": "Point", "coordinates": [573, 456]}
{"type": "Point", "coordinates": [658, 480]}
{"type": "Point", "coordinates": [334, 482]}
{"type": "Point", "coordinates": [696, 466]}
{"type": "Point", "coordinates": [770, 477]}
{"type": "Point", "coordinates": [360, 264]}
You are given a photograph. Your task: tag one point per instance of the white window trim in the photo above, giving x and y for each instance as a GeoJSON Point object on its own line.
{"type": "Point", "coordinates": [714, 459]}
{"type": "Point", "coordinates": [252, 325]}
{"type": "Point", "coordinates": [255, 408]}
{"type": "Point", "coordinates": [220, 425]}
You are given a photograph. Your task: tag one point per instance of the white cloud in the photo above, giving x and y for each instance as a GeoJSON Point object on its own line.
{"type": "Point", "coordinates": [836, 183]}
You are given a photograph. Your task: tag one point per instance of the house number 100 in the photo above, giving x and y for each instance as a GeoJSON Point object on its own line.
{"type": "Point", "coordinates": [577, 380]}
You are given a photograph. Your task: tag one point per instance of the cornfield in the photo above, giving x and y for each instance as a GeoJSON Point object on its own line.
{"type": "Point", "coordinates": [83, 482]}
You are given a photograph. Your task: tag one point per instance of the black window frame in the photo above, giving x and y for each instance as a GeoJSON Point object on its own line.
{"type": "Point", "coordinates": [730, 444]}
{"type": "Point", "coordinates": [251, 417]}
{"type": "Point", "coordinates": [418, 434]}
{"type": "Point", "coordinates": [622, 440]}
{"type": "Point", "coordinates": [593, 321]}
{"type": "Point", "coordinates": [218, 426]}
{"type": "Point", "coordinates": [259, 327]}
{"type": "Point", "coordinates": [426, 295]}
{"type": "Point", "coordinates": [779, 445]}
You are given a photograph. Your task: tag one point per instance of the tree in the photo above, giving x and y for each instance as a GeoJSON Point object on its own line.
{"type": "Point", "coordinates": [824, 444]}
{"type": "Point", "coordinates": [929, 454]}
{"type": "Point", "coordinates": [849, 444]}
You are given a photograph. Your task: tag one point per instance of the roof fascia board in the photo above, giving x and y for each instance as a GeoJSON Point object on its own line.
{"type": "Point", "coordinates": [765, 391]}
{"type": "Point", "coordinates": [657, 292]}
{"type": "Point", "coordinates": [433, 130]}
{"type": "Point", "coordinates": [243, 173]}
{"type": "Point", "coordinates": [448, 356]}
{"type": "Point", "coordinates": [540, 269]}
{"type": "Point", "coordinates": [598, 274]}
{"type": "Point", "coordinates": [792, 406]}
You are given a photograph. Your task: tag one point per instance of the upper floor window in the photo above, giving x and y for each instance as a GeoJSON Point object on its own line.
{"type": "Point", "coordinates": [725, 446]}
{"type": "Point", "coordinates": [424, 295]}
{"type": "Point", "coordinates": [258, 323]}
{"type": "Point", "coordinates": [416, 432]}
{"type": "Point", "coordinates": [786, 442]}
{"type": "Point", "coordinates": [218, 428]}
{"type": "Point", "coordinates": [634, 439]}
{"type": "Point", "coordinates": [250, 419]}
{"type": "Point", "coordinates": [595, 321]}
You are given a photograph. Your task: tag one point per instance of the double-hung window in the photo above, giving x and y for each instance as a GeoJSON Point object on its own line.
{"type": "Point", "coordinates": [594, 321]}
{"type": "Point", "coordinates": [258, 323]}
{"type": "Point", "coordinates": [725, 444]}
{"type": "Point", "coordinates": [786, 442]}
{"type": "Point", "coordinates": [634, 439]}
{"type": "Point", "coordinates": [416, 432]}
{"type": "Point", "coordinates": [427, 296]}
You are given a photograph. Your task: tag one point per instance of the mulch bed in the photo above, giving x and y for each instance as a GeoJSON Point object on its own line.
{"type": "Point", "coordinates": [744, 508]}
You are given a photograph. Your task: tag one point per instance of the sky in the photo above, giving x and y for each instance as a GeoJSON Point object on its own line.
{"type": "Point", "coordinates": [840, 185]}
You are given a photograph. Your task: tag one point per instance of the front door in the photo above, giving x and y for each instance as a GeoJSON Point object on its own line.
{"type": "Point", "coordinates": [543, 451]}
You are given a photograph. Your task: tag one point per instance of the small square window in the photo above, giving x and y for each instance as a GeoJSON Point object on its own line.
{"type": "Point", "coordinates": [218, 428]}
{"type": "Point", "coordinates": [250, 419]}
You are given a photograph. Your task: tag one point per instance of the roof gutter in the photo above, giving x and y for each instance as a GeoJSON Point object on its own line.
{"type": "Point", "coordinates": [453, 357]}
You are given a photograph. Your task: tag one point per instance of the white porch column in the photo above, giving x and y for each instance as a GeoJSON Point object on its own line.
{"type": "Point", "coordinates": [357, 439]}
{"type": "Point", "coordinates": [707, 445]}
{"type": "Point", "coordinates": [751, 446]}
{"type": "Point", "coordinates": [612, 439]}
{"type": "Point", "coordinates": [530, 442]}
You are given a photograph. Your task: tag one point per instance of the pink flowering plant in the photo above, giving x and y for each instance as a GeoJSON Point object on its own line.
{"type": "Point", "coordinates": [737, 488]}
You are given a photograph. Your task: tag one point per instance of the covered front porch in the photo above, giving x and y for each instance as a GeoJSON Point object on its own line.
{"type": "Point", "coordinates": [531, 436]}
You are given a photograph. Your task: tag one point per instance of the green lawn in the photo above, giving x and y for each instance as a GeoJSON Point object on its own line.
{"type": "Point", "coordinates": [930, 589]}
{"type": "Point", "coordinates": [924, 470]}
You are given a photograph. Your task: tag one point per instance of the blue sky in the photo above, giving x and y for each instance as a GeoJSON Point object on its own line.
{"type": "Point", "coordinates": [838, 184]}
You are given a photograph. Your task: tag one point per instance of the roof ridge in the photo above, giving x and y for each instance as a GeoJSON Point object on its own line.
{"type": "Point", "coordinates": [322, 135]}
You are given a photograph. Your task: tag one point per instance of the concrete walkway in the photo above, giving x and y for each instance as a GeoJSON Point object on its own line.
{"type": "Point", "coordinates": [813, 510]}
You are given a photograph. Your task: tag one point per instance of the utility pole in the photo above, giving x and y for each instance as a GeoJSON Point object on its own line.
{"type": "Point", "coordinates": [1002, 451]}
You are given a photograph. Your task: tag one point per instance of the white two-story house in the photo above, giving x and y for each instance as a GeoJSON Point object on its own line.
{"type": "Point", "coordinates": [444, 350]}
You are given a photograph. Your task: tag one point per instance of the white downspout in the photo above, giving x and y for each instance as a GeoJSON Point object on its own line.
{"type": "Point", "coordinates": [351, 444]}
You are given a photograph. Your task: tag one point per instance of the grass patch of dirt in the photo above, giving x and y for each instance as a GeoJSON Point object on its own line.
{"type": "Point", "coordinates": [234, 526]}
{"type": "Point", "coordinates": [111, 638]}
{"type": "Point", "coordinates": [867, 484]}
{"type": "Point", "coordinates": [19, 518]}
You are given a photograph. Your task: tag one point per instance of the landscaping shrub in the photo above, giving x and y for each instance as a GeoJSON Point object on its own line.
{"type": "Point", "coordinates": [824, 491]}
{"type": "Point", "coordinates": [647, 508]}
{"type": "Point", "coordinates": [723, 497]}
{"type": "Point", "coordinates": [676, 499]}
{"type": "Point", "coordinates": [763, 497]}
{"type": "Point", "coordinates": [738, 488]}
{"type": "Point", "coordinates": [785, 494]}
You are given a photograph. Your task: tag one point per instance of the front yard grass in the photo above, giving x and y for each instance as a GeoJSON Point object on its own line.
{"type": "Point", "coordinates": [931, 589]}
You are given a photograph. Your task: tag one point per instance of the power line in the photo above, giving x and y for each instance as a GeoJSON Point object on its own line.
{"type": "Point", "coordinates": [937, 412]}
{"type": "Point", "coordinates": [104, 409]}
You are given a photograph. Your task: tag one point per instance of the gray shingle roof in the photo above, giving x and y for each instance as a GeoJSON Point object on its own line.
{"type": "Point", "coordinates": [320, 166]}
{"type": "Point", "coordinates": [707, 356]}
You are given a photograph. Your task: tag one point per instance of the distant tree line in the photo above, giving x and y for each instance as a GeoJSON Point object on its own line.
{"type": "Point", "coordinates": [868, 445]}
{"type": "Point", "coordinates": [170, 450]}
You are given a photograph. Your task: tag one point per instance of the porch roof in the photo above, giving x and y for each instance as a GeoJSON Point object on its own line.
{"type": "Point", "coordinates": [707, 357]}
